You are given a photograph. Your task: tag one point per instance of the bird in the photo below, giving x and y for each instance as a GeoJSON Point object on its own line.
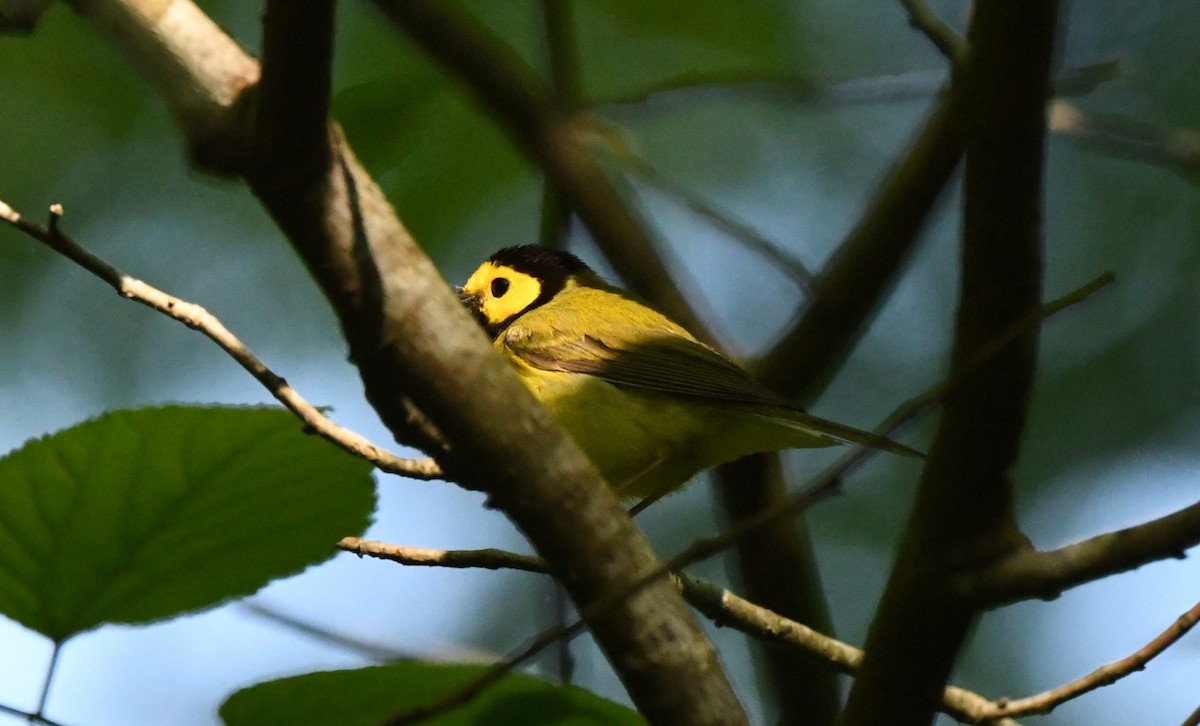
{"type": "Point", "coordinates": [646, 401]}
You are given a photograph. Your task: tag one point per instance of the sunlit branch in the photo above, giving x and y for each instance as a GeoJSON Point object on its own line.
{"type": "Point", "coordinates": [198, 318]}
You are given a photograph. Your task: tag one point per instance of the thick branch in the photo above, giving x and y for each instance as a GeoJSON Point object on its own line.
{"type": "Point", "coordinates": [409, 336]}
{"type": "Point", "coordinates": [963, 513]}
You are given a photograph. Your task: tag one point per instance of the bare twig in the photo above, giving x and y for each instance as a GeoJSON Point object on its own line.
{"type": "Point", "coordinates": [30, 717]}
{"type": "Point", "coordinates": [1176, 149]}
{"type": "Point", "coordinates": [198, 318]}
{"type": "Point", "coordinates": [1105, 675]}
{"type": "Point", "coordinates": [322, 634]}
{"type": "Point", "coordinates": [719, 604]}
{"type": "Point", "coordinates": [721, 220]}
{"type": "Point", "coordinates": [832, 91]}
{"type": "Point", "coordinates": [490, 559]}
{"type": "Point", "coordinates": [855, 280]}
{"type": "Point", "coordinates": [946, 39]}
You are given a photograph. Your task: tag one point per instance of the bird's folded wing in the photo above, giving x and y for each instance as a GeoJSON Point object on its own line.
{"type": "Point", "coordinates": [665, 364]}
{"type": "Point", "coordinates": [679, 366]}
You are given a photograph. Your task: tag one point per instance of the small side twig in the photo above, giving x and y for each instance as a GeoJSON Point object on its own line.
{"type": "Point", "coordinates": [489, 559]}
{"type": "Point", "coordinates": [1105, 675]}
{"type": "Point", "coordinates": [945, 38]}
{"type": "Point", "coordinates": [322, 634]}
{"type": "Point", "coordinates": [30, 717]}
{"type": "Point", "coordinates": [198, 318]}
{"type": "Point", "coordinates": [1172, 148]}
{"type": "Point", "coordinates": [714, 601]}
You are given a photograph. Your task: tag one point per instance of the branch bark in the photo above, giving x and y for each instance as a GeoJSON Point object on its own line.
{"type": "Point", "coordinates": [962, 518]}
{"type": "Point", "coordinates": [410, 337]}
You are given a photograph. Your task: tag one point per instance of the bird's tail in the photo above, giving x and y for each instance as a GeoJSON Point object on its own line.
{"type": "Point", "coordinates": [835, 432]}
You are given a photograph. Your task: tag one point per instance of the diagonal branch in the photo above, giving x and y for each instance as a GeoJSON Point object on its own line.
{"type": "Point", "coordinates": [923, 18]}
{"type": "Point", "coordinates": [1046, 575]}
{"type": "Point", "coordinates": [866, 264]}
{"type": "Point", "coordinates": [1105, 675]}
{"type": "Point", "coordinates": [719, 604]}
{"type": "Point", "coordinates": [415, 344]}
{"type": "Point", "coordinates": [198, 318]}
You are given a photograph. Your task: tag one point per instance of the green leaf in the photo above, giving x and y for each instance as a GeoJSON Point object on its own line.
{"type": "Point", "coordinates": [146, 514]}
{"type": "Point", "coordinates": [369, 696]}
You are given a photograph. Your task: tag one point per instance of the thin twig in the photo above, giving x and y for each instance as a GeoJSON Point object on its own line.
{"type": "Point", "coordinates": [719, 604]}
{"type": "Point", "coordinates": [827, 482]}
{"type": "Point", "coordinates": [322, 634]}
{"type": "Point", "coordinates": [490, 559]}
{"type": "Point", "coordinates": [30, 717]}
{"type": "Point", "coordinates": [1174, 148]}
{"type": "Point", "coordinates": [946, 39]}
{"type": "Point", "coordinates": [1105, 675]}
{"type": "Point", "coordinates": [892, 88]}
{"type": "Point", "coordinates": [720, 220]}
{"type": "Point", "coordinates": [51, 670]}
{"type": "Point", "coordinates": [198, 318]}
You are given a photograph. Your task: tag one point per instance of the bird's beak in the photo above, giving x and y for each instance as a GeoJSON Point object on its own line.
{"type": "Point", "coordinates": [473, 305]}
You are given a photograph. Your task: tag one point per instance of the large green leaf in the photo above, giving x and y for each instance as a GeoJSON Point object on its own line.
{"type": "Point", "coordinates": [145, 514]}
{"type": "Point", "coordinates": [369, 696]}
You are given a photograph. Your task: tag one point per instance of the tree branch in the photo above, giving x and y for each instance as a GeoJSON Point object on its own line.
{"type": "Point", "coordinates": [963, 514]}
{"type": "Point", "coordinates": [945, 39]}
{"type": "Point", "coordinates": [198, 318]}
{"type": "Point", "coordinates": [409, 336]}
{"type": "Point", "coordinates": [717, 603]}
{"type": "Point", "coordinates": [1046, 575]}
{"type": "Point", "coordinates": [1105, 675]}
{"type": "Point", "coordinates": [867, 262]}
{"type": "Point", "coordinates": [1174, 149]}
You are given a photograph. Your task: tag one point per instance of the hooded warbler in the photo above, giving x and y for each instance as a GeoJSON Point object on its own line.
{"type": "Point", "coordinates": [648, 403]}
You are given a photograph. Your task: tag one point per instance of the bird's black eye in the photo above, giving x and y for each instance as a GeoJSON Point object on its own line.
{"type": "Point", "coordinates": [499, 286]}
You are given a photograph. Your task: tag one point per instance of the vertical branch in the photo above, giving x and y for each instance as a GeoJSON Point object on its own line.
{"type": "Point", "coordinates": [776, 561]}
{"type": "Point", "coordinates": [962, 518]}
{"type": "Point", "coordinates": [562, 58]}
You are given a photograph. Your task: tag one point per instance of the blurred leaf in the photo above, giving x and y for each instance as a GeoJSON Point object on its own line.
{"type": "Point", "coordinates": [145, 514]}
{"type": "Point", "coordinates": [369, 696]}
{"type": "Point", "coordinates": [436, 156]}
{"type": "Point", "coordinates": [627, 44]}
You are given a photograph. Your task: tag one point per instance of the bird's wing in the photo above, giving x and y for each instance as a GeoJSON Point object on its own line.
{"type": "Point", "coordinates": [676, 365]}
{"type": "Point", "coordinates": [669, 364]}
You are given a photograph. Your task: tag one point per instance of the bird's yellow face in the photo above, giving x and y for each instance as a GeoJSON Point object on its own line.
{"type": "Point", "coordinates": [514, 281]}
{"type": "Point", "coordinates": [497, 294]}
